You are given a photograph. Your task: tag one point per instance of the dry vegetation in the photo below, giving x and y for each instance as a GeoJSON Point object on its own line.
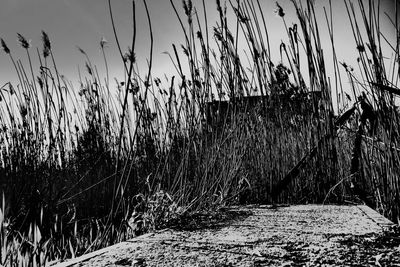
{"type": "Point", "coordinates": [82, 168]}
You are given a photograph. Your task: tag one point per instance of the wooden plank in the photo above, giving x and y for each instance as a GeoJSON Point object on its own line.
{"type": "Point", "coordinates": [328, 235]}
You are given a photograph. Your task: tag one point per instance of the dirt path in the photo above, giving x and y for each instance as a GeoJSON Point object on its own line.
{"type": "Point", "coordinates": [304, 235]}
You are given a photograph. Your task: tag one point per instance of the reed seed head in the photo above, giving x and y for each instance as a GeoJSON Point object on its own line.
{"type": "Point", "coordinates": [199, 35]}
{"type": "Point", "coordinates": [130, 56]}
{"type": "Point", "coordinates": [23, 41]}
{"type": "Point", "coordinates": [103, 42]}
{"type": "Point", "coordinates": [46, 44]}
{"type": "Point", "coordinates": [279, 10]}
{"type": "Point", "coordinates": [11, 88]}
{"type": "Point", "coordinates": [40, 81]}
{"type": "Point", "coordinates": [81, 50]}
{"type": "Point", "coordinates": [361, 48]}
{"type": "Point", "coordinates": [88, 68]}
{"type": "Point", "coordinates": [187, 7]}
{"type": "Point", "coordinates": [4, 46]}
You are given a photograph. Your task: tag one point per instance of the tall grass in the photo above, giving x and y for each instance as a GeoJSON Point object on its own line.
{"type": "Point", "coordinates": [374, 163]}
{"type": "Point", "coordinates": [86, 167]}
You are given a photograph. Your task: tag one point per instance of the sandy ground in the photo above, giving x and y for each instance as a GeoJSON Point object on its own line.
{"type": "Point", "coordinates": [303, 235]}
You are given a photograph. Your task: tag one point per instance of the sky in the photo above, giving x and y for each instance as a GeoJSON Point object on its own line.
{"type": "Point", "coordinates": [83, 23]}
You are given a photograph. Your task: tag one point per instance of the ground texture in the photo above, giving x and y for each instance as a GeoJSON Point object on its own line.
{"type": "Point", "coordinates": [303, 235]}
